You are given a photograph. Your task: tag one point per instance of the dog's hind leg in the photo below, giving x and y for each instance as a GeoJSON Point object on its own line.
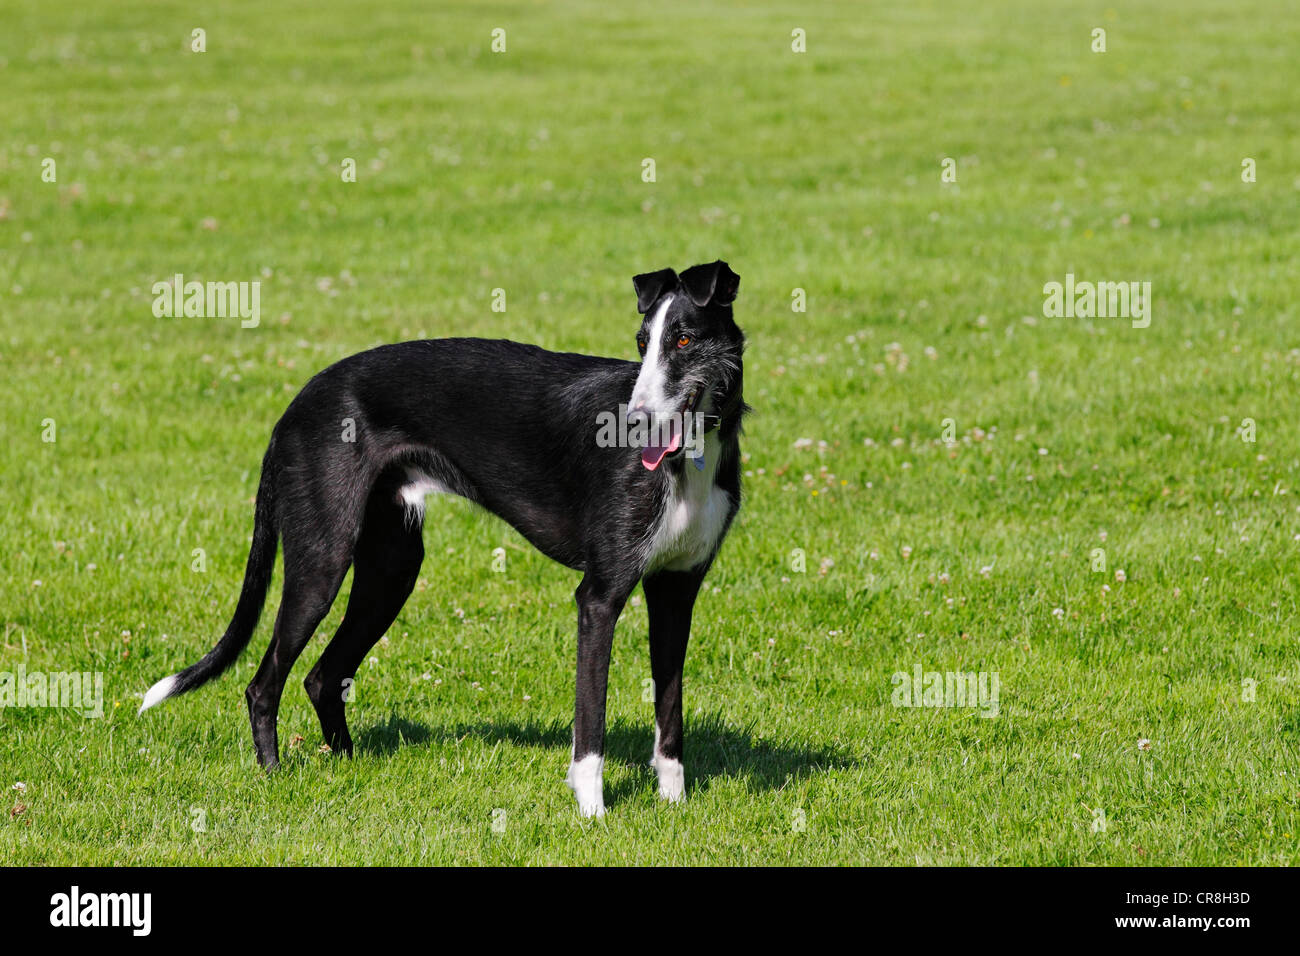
{"type": "Point", "coordinates": [386, 564]}
{"type": "Point", "coordinates": [313, 570]}
{"type": "Point", "coordinates": [670, 598]}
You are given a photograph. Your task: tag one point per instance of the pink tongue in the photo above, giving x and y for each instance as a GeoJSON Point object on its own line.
{"type": "Point", "coordinates": [652, 454]}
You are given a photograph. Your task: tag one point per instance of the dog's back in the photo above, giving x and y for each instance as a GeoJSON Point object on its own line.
{"type": "Point", "coordinates": [511, 427]}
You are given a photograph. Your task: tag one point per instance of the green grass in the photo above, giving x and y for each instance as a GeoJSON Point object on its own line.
{"type": "Point", "coordinates": [818, 171]}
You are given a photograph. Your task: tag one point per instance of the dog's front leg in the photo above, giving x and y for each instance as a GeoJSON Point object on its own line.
{"type": "Point", "coordinates": [670, 598]}
{"type": "Point", "coordinates": [599, 605]}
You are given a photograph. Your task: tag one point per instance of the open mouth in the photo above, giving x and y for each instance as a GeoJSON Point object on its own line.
{"type": "Point", "coordinates": [666, 434]}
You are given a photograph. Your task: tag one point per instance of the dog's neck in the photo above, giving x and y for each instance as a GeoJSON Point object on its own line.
{"type": "Point", "coordinates": [729, 411]}
{"type": "Point", "coordinates": [720, 433]}
{"type": "Point", "coordinates": [728, 414]}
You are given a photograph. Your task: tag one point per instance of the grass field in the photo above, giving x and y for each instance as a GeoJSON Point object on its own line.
{"type": "Point", "coordinates": [1149, 712]}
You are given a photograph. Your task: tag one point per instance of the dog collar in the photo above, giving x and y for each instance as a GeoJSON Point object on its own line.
{"type": "Point", "coordinates": [712, 422]}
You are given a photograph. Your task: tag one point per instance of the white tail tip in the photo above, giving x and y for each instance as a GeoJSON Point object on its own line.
{"type": "Point", "coordinates": [158, 692]}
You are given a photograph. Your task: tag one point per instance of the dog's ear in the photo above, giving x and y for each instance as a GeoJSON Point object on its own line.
{"type": "Point", "coordinates": [711, 284]}
{"type": "Point", "coordinates": [651, 285]}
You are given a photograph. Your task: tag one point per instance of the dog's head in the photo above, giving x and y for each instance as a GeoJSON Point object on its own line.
{"type": "Point", "coordinates": [690, 353]}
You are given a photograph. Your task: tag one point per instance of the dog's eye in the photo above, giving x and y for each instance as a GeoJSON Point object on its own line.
{"type": "Point", "coordinates": [640, 345]}
{"type": "Point", "coordinates": [683, 341]}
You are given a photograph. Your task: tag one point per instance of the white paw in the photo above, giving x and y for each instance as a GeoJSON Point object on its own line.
{"type": "Point", "coordinates": [672, 778]}
{"type": "Point", "coordinates": [585, 779]}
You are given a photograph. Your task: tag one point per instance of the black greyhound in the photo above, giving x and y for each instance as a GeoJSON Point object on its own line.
{"type": "Point", "coordinates": [620, 470]}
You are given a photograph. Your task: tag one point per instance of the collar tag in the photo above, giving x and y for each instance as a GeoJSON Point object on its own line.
{"type": "Point", "coordinates": [695, 429]}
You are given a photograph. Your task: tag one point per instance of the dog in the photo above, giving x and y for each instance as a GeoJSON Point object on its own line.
{"type": "Point", "coordinates": [515, 429]}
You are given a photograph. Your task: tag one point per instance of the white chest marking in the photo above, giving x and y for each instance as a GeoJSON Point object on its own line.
{"type": "Point", "coordinates": [693, 517]}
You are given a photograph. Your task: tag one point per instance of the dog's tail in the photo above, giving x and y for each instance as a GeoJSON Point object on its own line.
{"type": "Point", "coordinates": [257, 578]}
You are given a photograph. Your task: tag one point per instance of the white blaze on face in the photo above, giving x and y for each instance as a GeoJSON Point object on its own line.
{"type": "Point", "coordinates": [649, 389]}
{"type": "Point", "coordinates": [648, 394]}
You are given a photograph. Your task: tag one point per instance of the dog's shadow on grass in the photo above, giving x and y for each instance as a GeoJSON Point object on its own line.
{"type": "Point", "coordinates": [715, 749]}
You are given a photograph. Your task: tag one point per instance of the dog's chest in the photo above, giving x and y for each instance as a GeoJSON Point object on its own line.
{"type": "Point", "coordinates": [693, 520]}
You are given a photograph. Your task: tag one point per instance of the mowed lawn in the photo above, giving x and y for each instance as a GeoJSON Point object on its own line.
{"type": "Point", "coordinates": [1094, 524]}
